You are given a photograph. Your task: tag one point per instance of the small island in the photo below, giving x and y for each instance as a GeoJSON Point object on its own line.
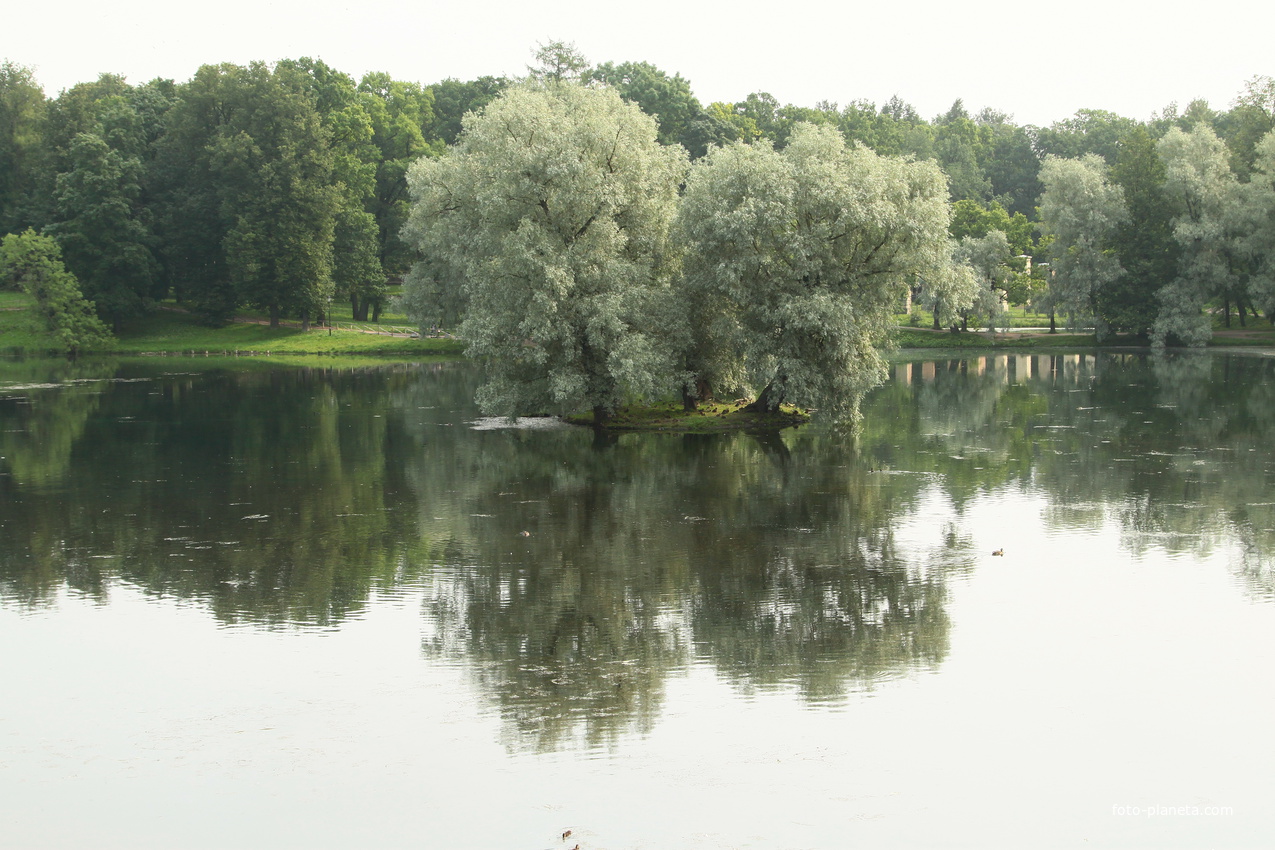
{"type": "Point", "coordinates": [706, 418]}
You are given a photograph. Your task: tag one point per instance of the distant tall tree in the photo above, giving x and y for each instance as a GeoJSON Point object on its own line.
{"type": "Point", "coordinates": [453, 100]}
{"type": "Point", "coordinates": [22, 111]}
{"type": "Point", "coordinates": [1208, 212]}
{"type": "Point", "coordinates": [558, 62]}
{"type": "Point", "coordinates": [1080, 212]}
{"type": "Point", "coordinates": [249, 211]}
{"type": "Point", "coordinates": [1144, 242]}
{"type": "Point", "coordinates": [346, 116]}
{"type": "Point", "coordinates": [1009, 160]}
{"type": "Point", "coordinates": [1250, 120]}
{"type": "Point", "coordinates": [669, 99]}
{"type": "Point", "coordinates": [401, 114]}
{"type": "Point", "coordinates": [191, 220]}
{"type": "Point", "coordinates": [100, 229]}
{"type": "Point", "coordinates": [1259, 237]}
{"type": "Point", "coordinates": [1093, 131]}
{"type": "Point", "coordinates": [275, 168]}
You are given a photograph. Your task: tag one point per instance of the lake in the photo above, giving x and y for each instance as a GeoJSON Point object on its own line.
{"type": "Point", "coordinates": [255, 605]}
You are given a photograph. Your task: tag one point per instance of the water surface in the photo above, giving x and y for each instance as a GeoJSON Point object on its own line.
{"type": "Point", "coordinates": [332, 607]}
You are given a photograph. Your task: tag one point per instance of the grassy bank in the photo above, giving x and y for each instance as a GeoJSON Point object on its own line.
{"type": "Point", "coordinates": [173, 332]}
{"type": "Point", "coordinates": [169, 331]}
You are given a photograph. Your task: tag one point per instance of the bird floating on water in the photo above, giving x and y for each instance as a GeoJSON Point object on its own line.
{"type": "Point", "coordinates": [998, 552]}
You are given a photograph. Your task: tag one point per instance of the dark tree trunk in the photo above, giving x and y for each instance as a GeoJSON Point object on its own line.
{"type": "Point", "coordinates": [1226, 312]}
{"type": "Point", "coordinates": [689, 401]}
{"type": "Point", "coordinates": [937, 326]}
{"type": "Point", "coordinates": [305, 321]}
{"type": "Point", "coordinates": [770, 398]}
{"type": "Point", "coordinates": [376, 312]}
{"type": "Point", "coordinates": [601, 416]}
{"type": "Point", "coordinates": [274, 315]}
{"type": "Point", "coordinates": [1053, 323]}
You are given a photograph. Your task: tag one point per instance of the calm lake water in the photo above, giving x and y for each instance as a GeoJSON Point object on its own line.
{"type": "Point", "coordinates": [261, 606]}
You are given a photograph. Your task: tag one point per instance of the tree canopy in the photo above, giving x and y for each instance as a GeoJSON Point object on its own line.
{"type": "Point", "coordinates": [549, 221]}
{"type": "Point", "coordinates": [802, 256]}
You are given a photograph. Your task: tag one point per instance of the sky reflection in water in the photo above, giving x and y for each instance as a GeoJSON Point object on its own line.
{"type": "Point", "coordinates": [317, 607]}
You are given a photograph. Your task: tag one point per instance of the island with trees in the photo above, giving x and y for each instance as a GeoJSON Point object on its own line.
{"type": "Point", "coordinates": [596, 235]}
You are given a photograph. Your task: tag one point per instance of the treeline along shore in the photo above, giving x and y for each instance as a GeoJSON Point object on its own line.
{"type": "Point", "coordinates": [282, 191]}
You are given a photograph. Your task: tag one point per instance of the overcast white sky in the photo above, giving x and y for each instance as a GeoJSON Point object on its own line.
{"type": "Point", "coordinates": [1039, 62]}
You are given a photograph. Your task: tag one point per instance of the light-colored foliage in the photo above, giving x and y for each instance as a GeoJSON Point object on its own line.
{"type": "Point", "coordinates": [548, 222]}
{"type": "Point", "coordinates": [1258, 241]}
{"type": "Point", "coordinates": [987, 256]}
{"type": "Point", "coordinates": [1080, 211]}
{"type": "Point", "coordinates": [1209, 215]}
{"type": "Point", "coordinates": [799, 258]}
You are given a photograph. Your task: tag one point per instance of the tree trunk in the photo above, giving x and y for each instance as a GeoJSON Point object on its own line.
{"type": "Point", "coordinates": [689, 400]}
{"type": "Point", "coordinates": [305, 321]}
{"type": "Point", "coordinates": [376, 312]}
{"type": "Point", "coordinates": [1053, 323]}
{"type": "Point", "coordinates": [769, 400]}
{"type": "Point", "coordinates": [1226, 312]}
{"type": "Point", "coordinates": [601, 416]}
{"type": "Point", "coordinates": [274, 316]}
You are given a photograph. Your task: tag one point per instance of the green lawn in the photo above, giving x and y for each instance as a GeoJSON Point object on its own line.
{"type": "Point", "coordinates": [20, 327]}
{"type": "Point", "coordinates": [168, 331]}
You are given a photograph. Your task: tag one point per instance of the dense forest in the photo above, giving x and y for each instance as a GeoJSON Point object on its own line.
{"type": "Point", "coordinates": [283, 186]}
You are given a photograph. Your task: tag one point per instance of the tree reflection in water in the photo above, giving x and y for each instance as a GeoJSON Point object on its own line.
{"type": "Point", "coordinates": [576, 575]}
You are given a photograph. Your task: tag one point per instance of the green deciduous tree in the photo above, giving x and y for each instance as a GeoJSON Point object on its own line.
{"type": "Point", "coordinates": [402, 116]}
{"type": "Point", "coordinates": [548, 221]}
{"type": "Point", "coordinates": [34, 262]}
{"type": "Point", "coordinates": [100, 228]}
{"type": "Point", "coordinates": [1080, 212]}
{"type": "Point", "coordinates": [22, 111]}
{"type": "Point", "coordinates": [1208, 216]}
{"type": "Point", "coordinates": [809, 251]}
{"type": "Point", "coordinates": [1144, 242]}
{"type": "Point", "coordinates": [682, 121]}
{"type": "Point", "coordinates": [989, 257]}
{"type": "Point", "coordinates": [1257, 241]}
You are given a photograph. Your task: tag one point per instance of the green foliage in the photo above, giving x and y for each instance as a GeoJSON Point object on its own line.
{"type": "Point", "coordinates": [34, 262]}
{"type": "Point", "coordinates": [403, 123]}
{"type": "Point", "coordinates": [1208, 216]}
{"type": "Point", "coordinates": [669, 99]}
{"type": "Point", "coordinates": [1080, 212]}
{"type": "Point", "coordinates": [22, 116]}
{"type": "Point", "coordinates": [1250, 121]}
{"type": "Point", "coordinates": [1258, 244]}
{"type": "Point", "coordinates": [104, 240]}
{"type": "Point", "coordinates": [795, 261]}
{"type": "Point", "coordinates": [548, 221]}
{"type": "Point", "coordinates": [970, 218]}
{"type": "Point", "coordinates": [1144, 243]}
{"type": "Point", "coordinates": [167, 331]}
{"type": "Point", "coordinates": [989, 257]}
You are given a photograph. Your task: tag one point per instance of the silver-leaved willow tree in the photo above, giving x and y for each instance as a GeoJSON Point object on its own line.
{"type": "Point", "coordinates": [550, 231]}
{"type": "Point", "coordinates": [546, 227]}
